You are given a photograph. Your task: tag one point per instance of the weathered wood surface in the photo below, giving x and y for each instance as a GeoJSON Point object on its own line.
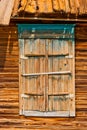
{"type": "Point", "coordinates": [77, 7]}
{"type": "Point", "coordinates": [9, 86]}
{"type": "Point", "coordinates": [15, 8]}
{"type": "Point", "coordinates": [6, 7]}
{"type": "Point", "coordinates": [59, 70]}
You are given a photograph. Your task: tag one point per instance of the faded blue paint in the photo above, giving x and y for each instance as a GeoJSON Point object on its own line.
{"type": "Point", "coordinates": [54, 28]}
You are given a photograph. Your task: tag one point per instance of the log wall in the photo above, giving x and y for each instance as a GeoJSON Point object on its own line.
{"type": "Point", "coordinates": [9, 86]}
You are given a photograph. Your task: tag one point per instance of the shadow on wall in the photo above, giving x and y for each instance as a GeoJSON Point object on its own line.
{"type": "Point", "coordinates": [8, 48]}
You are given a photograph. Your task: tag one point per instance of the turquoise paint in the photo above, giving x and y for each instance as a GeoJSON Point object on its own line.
{"type": "Point", "coordinates": [52, 28]}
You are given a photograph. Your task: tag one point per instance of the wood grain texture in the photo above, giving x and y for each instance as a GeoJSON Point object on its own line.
{"type": "Point", "coordinates": [5, 11]}
{"type": "Point", "coordinates": [76, 7]}
{"type": "Point", "coordinates": [62, 68]}
{"type": "Point", "coordinates": [9, 103]}
{"type": "Point", "coordinates": [15, 9]}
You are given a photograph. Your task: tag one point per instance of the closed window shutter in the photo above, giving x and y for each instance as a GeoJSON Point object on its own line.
{"type": "Point", "coordinates": [47, 72]}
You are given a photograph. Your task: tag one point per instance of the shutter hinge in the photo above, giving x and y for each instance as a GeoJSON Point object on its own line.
{"type": "Point", "coordinates": [69, 57]}
{"type": "Point", "coordinates": [70, 96]}
{"type": "Point", "coordinates": [23, 57]}
{"type": "Point", "coordinates": [21, 112]}
{"type": "Point", "coordinates": [24, 96]}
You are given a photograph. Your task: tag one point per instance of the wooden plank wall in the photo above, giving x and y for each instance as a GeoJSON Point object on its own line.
{"type": "Point", "coordinates": [9, 86]}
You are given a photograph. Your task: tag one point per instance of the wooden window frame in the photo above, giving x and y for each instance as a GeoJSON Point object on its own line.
{"type": "Point", "coordinates": [25, 35]}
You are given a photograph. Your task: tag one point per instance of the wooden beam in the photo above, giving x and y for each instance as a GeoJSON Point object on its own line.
{"type": "Point", "coordinates": [47, 114]}
{"type": "Point", "coordinates": [48, 19]}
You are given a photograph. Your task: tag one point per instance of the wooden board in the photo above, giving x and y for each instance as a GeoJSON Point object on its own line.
{"type": "Point", "coordinates": [6, 7]}
{"type": "Point", "coordinates": [15, 8]}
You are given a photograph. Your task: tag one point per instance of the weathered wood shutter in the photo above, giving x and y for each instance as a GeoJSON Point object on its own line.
{"type": "Point", "coordinates": [47, 72]}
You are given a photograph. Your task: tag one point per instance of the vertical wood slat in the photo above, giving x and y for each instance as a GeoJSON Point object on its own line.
{"type": "Point", "coordinates": [42, 46]}
{"type": "Point", "coordinates": [46, 77]}
{"type": "Point", "coordinates": [21, 53]}
{"type": "Point", "coordinates": [50, 81]}
{"type": "Point", "coordinates": [56, 6]}
{"type": "Point", "coordinates": [31, 6]}
{"type": "Point", "coordinates": [27, 86]}
{"type": "Point", "coordinates": [67, 7]}
{"type": "Point", "coordinates": [55, 86]}
{"type": "Point", "coordinates": [26, 71]}
{"type": "Point", "coordinates": [62, 5]}
{"type": "Point", "coordinates": [72, 6]}
{"type": "Point", "coordinates": [25, 67]}
{"type": "Point", "coordinates": [42, 84]}
{"type": "Point", "coordinates": [28, 6]}
{"type": "Point", "coordinates": [86, 6]}
{"type": "Point", "coordinates": [49, 6]}
{"type": "Point", "coordinates": [45, 6]}
{"type": "Point", "coordinates": [72, 84]}
{"type": "Point", "coordinates": [36, 80]}
{"type": "Point", "coordinates": [54, 78]}
{"type": "Point", "coordinates": [41, 5]}
{"type": "Point", "coordinates": [36, 50]}
{"type": "Point", "coordinates": [31, 81]}
{"type": "Point", "coordinates": [64, 85]}
{"type": "Point", "coordinates": [15, 9]}
{"type": "Point", "coordinates": [34, 47]}
{"type": "Point", "coordinates": [82, 7]}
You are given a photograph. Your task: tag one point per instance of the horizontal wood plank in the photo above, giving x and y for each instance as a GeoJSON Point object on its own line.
{"type": "Point", "coordinates": [47, 114]}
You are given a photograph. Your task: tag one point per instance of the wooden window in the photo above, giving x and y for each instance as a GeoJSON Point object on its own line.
{"type": "Point", "coordinates": [47, 72]}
